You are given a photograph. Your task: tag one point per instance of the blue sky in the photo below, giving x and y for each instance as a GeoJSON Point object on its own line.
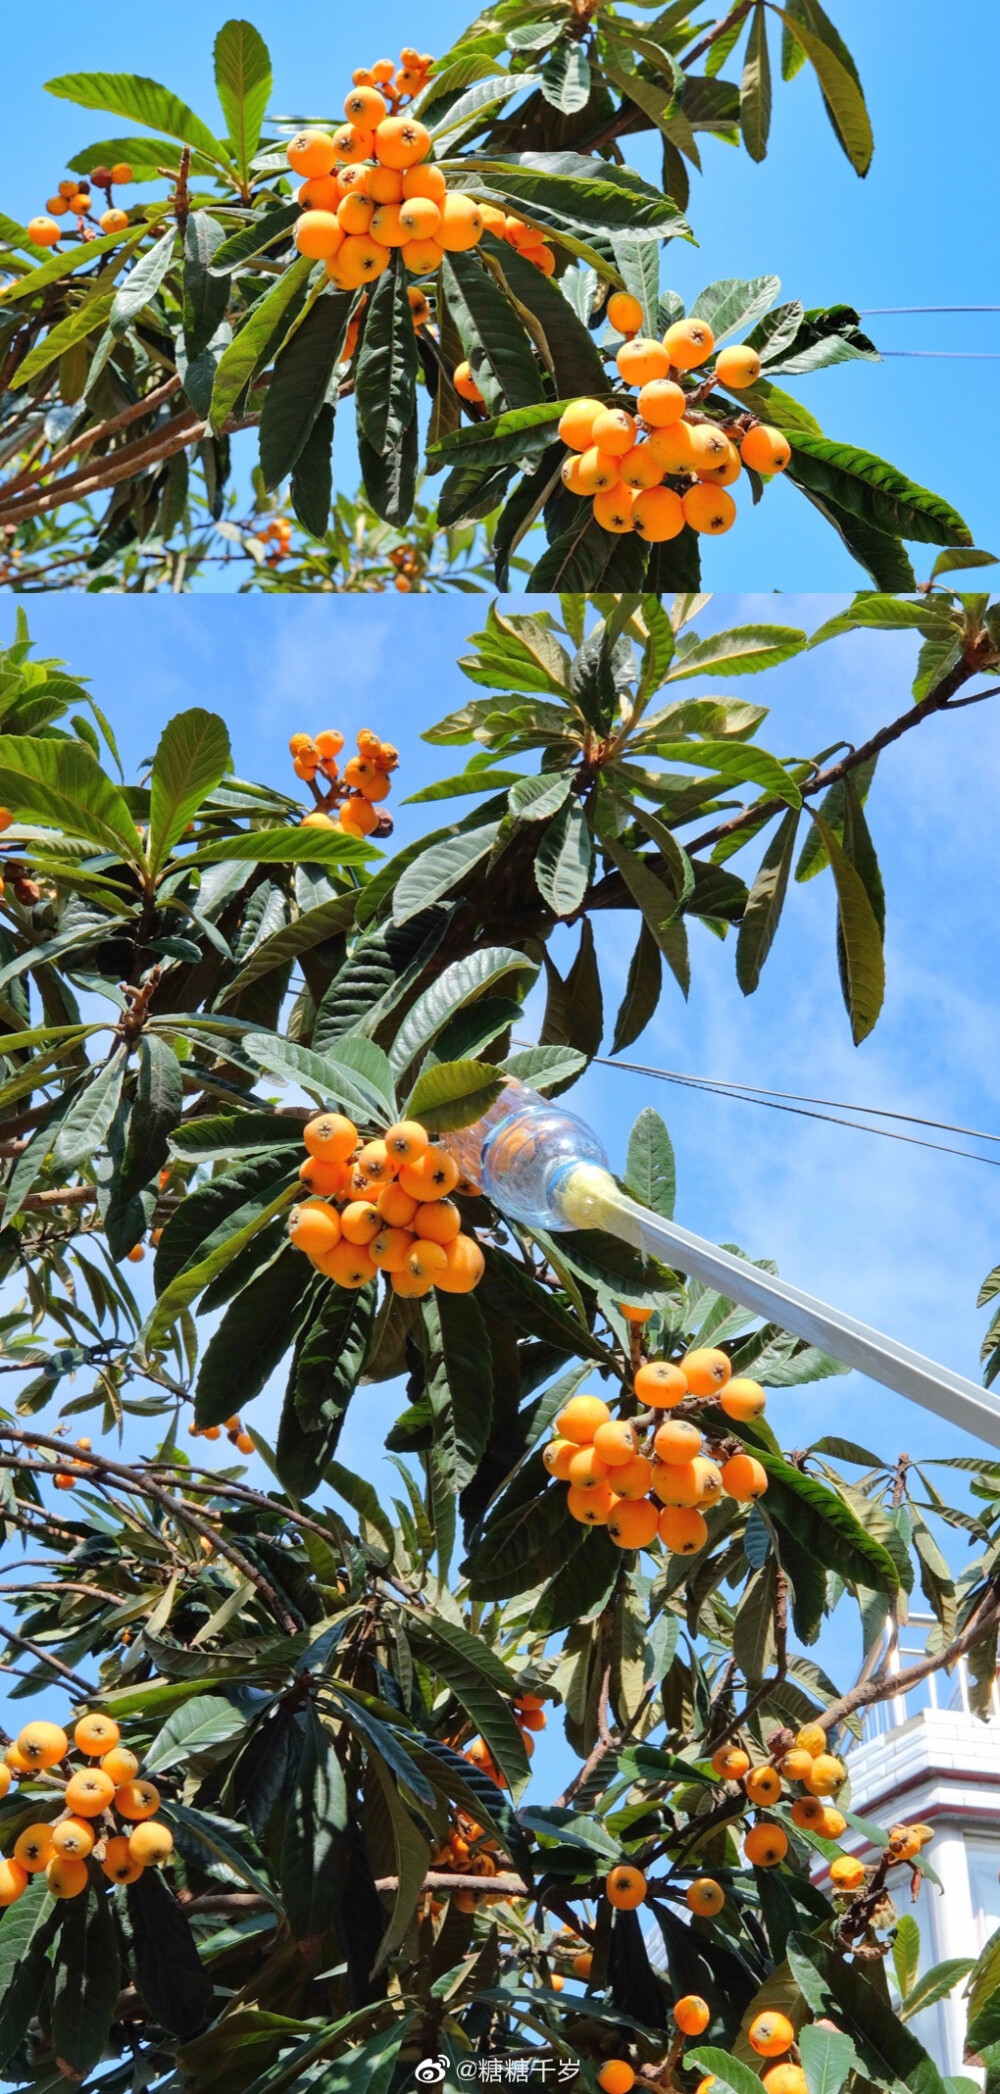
{"type": "Point", "coordinates": [898, 1235]}
{"type": "Point", "coordinates": [912, 234]}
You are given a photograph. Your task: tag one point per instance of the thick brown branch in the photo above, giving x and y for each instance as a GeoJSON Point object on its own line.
{"type": "Point", "coordinates": [884, 1688]}
{"type": "Point", "coordinates": [99, 433]}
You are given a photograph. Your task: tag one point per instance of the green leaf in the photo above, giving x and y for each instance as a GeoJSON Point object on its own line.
{"type": "Point", "coordinates": [889, 2053]}
{"type": "Point", "coordinates": [965, 556]}
{"type": "Point", "coordinates": [351, 1074]}
{"type": "Point", "coordinates": [658, 905]}
{"type": "Point", "coordinates": [142, 101]}
{"type": "Point", "coordinates": [390, 482]}
{"type": "Point", "coordinates": [506, 439]}
{"type": "Point", "coordinates": [82, 321]}
{"type": "Point", "coordinates": [827, 2058]}
{"type": "Point", "coordinates": [493, 337]}
{"type": "Point", "coordinates": [755, 87]}
{"type": "Point", "coordinates": [732, 305]}
{"type": "Point", "coordinates": [873, 610]}
{"type": "Point", "coordinates": [450, 1095]}
{"type": "Point", "coordinates": [243, 79]}
{"type": "Point", "coordinates": [452, 991]}
{"type": "Point", "coordinates": [477, 1679]}
{"type": "Point", "coordinates": [436, 871]}
{"type": "Point", "coordinates": [190, 1281]}
{"type": "Point", "coordinates": [845, 103]}
{"type": "Point", "coordinates": [312, 474]}
{"type": "Point", "coordinates": [327, 1367]}
{"type": "Point", "coordinates": [575, 359]}
{"type": "Point", "coordinates": [251, 345]}
{"type": "Point", "coordinates": [870, 489]}
{"type": "Point", "coordinates": [569, 191]}
{"type": "Point", "coordinates": [85, 1126]}
{"type": "Point", "coordinates": [585, 560]}
{"type": "Point", "coordinates": [206, 296]}
{"type": "Point", "coordinates": [883, 556]}
{"type": "Point", "coordinates": [317, 1837]}
{"type": "Point", "coordinates": [159, 1100]}
{"type": "Point", "coordinates": [984, 1997]}
{"type": "Point", "coordinates": [253, 1337]}
{"type": "Point", "coordinates": [546, 1068]}
{"type": "Point", "coordinates": [535, 799]}
{"type": "Point", "coordinates": [169, 1976]}
{"type": "Point", "coordinates": [142, 282]}
{"type": "Point", "coordinates": [767, 899]}
{"type": "Point", "coordinates": [299, 383]}
{"type": "Point", "coordinates": [730, 2074]}
{"type": "Point", "coordinates": [818, 1518]}
{"type": "Point", "coordinates": [863, 978]}
{"type": "Point", "coordinates": [386, 369]}
{"type": "Point", "coordinates": [192, 758]}
{"type": "Point", "coordinates": [905, 1945]}
{"type": "Point", "coordinates": [61, 784]}
{"type": "Point", "coordinates": [204, 1721]}
{"type": "Point", "coordinates": [564, 861]}
{"type": "Point", "coordinates": [565, 78]}
{"type": "Point", "coordinates": [86, 1981]}
{"type": "Point", "coordinates": [642, 992]}
{"type": "Point", "coordinates": [314, 927]}
{"type": "Point", "coordinates": [650, 1165]}
{"type": "Point", "coordinates": [287, 846]}
{"type": "Point", "coordinates": [458, 1384]}
{"type": "Point", "coordinates": [742, 651]}
{"type": "Point", "coordinates": [272, 223]}
{"type": "Point", "coordinates": [936, 1984]}
{"type": "Point", "coordinates": [26, 1937]}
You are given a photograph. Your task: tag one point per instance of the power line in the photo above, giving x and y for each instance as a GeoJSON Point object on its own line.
{"type": "Point", "coordinates": [749, 1094]}
{"type": "Point", "coordinates": [867, 311]}
{"type": "Point", "coordinates": [982, 356]}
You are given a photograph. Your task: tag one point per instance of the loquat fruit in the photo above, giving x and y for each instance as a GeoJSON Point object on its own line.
{"type": "Point", "coordinates": [89, 1792]}
{"type": "Point", "coordinates": [744, 1477]}
{"type": "Point", "coordinates": [311, 153]}
{"type": "Point", "coordinates": [13, 1882]}
{"type": "Point", "coordinates": [617, 1443]}
{"type": "Point", "coordinates": [431, 1176]}
{"type": "Point", "coordinates": [635, 1479]}
{"type": "Point", "coordinates": [661, 403]}
{"type": "Point", "coordinates": [742, 1399]}
{"type": "Point", "coordinates": [624, 312]}
{"type": "Point", "coordinates": [119, 1865]}
{"type": "Point", "coordinates": [33, 1848]}
{"type": "Point", "coordinates": [400, 142]}
{"type": "Point", "coordinates": [137, 1800]}
{"type": "Point", "coordinates": [96, 1735]}
{"type": "Point", "coordinates": [613, 509]}
{"type": "Point", "coordinates": [847, 1872]}
{"type": "Point", "coordinates": [614, 432]}
{"type": "Point", "coordinates": [617, 2076]}
{"type": "Point", "coordinates": [688, 343]}
{"type": "Point", "coordinates": [66, 1878]}
{"type": "Point", "coordinates": [763, 1784]}
{"type": "Point", "coordinates": [770, 2033]}
{"type": "Point", "coordinates": [765, 449]}
{"type": "Point", "coordinates": [642, 360]}
{"type": "Point", "coordinates": [576, 425]}
{"type": "Point", "coordinates": [437, 1221]}
{"type": "Point", "coordinates": [785, 2079]}
{"type": "Point", "coordinates": [730, 1762]}
{"type": "Point", "coordinates": [42, 1745]}
{"type": "Point", "coordinates": [151, 1845]}
{"type": "Point", "coordinates": [330, 1137]}
{"type": "Point", "coordinates": [639, 469]}
{"type": "Point", "coordinates": [625, 1887]}
{"type": "Point", "coordinates": [704, 1897]}
{"type": "Point", "coordinates": [661, 1384]}
{"type": "Point", "coordinates": [705, 1371]}
{"type": "Point", "coordinates": [592, 1508]}
{"type": "Point", "coordinates": [73, 1837]}
{"type": "Point", "coordinates": [464, 1266]}
{"type": "Point", "coordinates": [683, 1530]}
{"type": "Point", "coordinates": [580, 1417]}
{"type": "Point", "coordinates": [692, 2014]}
{"type": "Point", "coordinates": [677, 1440]}
{"type": "Point", "coordinates": [314, 1227]}
{"type": "Point", "coordinates": [632, 1523]}
{"type": "Point", "coordinates": [765, 1846]}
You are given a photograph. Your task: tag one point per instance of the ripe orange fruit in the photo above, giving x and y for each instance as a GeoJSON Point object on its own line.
{"type": "Point", "coordinates": [617, 1443]}
{"type": "Point", "coordinates": [314, 1227]}
{"type": "Point", "coordinates": [89, 1792]}
{"type": "Point", "coordinates": [688, 343]}
{"type": "Point", "coordinates": [311, 153]}
{"type": "Point", "coordinates": [420, 219]}
{"type": "Point", "coordinates": [576, 426]}
{"type": "Point", "coordinates": [586, 1469]}
{"type": "Point", "coordinates": [113, 221]}
{"type": "Point", "coordinates": [642, 360]}
{"type": "Point", "coordinates": [43, 232]}
{"type": "Point", "coordinates": [390, 1249]}
{"type": "Point", "coordinates": [361, 260]}
{"type": "Point", "coordinates": [616, 2077]}
{"type": "Point", "coordinates": [730, 1762]}
{"type": "Point", "coordinates": [807, 1812]}
{"type": "Point", "coordinates": [73, 1837]}
{"type": "Point", "coordinates": [766, 449]}
{"type": "Point", "coordinates": [624, 312]}
{"type": "Point", "coordinates": [397, 1207]}
{"type": "Point", "coordinates": [119, 1865]}
{"type": "Point", "coordinates": [673, 448]}
{"type": "Point", "coordinates": [661, 1384]}
{"type": "Point", "coordinates": [763, 1784]}
{"type": "Point", "coordinates": [465, 385]}
{"type": "Point", "coordinates": [423, 257]}
{"type": "Point", "coordinates": [692, 2014]}
{"type": "Point", "coordinates": [400, 141]}
{"type": "Point", "coordinates": [826, 1775]}
{"type": "Point", "coordinates": [832, 1823]}
{"type": "Point", "coordinates": [811, 1738]}
{"type": "Point", "coordinates": [33, 1848]}
{"type": "Point", "coordinates": [704, 1897]}
{"type": "Point", "coordinates": [121, 1764]}
{"type": "Point", "coordinates": [464, 1266]}
{"type": "Point", "coordinates": [13, 1882]}
{"type": "Point", "coordinates": [429, 181]}
{"type": "Point", "coordinates": [591, 1507]}
{"type": "Point", "coordinates": [597, 471]}
{"type": "Point", "coordinates": [65, 1878]}
{"type": "Point", "coordinates": [682, 1530]}
{"type": "Point", "coordinates": [613, 509]}
{"type": "Point", "coordinates": [431, 1176]}
{"type": "Point", "coordinates": [676, 1483]}
{"type": "Point", "coordinates": [426, 1259]}
{"type": "Point", "coordinates": [705, 1370]}
{"type": "Point", "coordinates": [661, 403]}
{"type": "Point", "coordinates": [583, 1964]}
{"type": "Point", "coordinates": [658, 515]}
{"type": "Point", "coordinates": [355, 213]}
{"type": "Point", "coordinates": [632, 1524]}
{"type": "Point", "coordinates": [625, 1887]}
{"type": "Point", "coordinates": [785, 2079]}
{"type": "Point", "coordinates": [677, 1440]}
{"type": "Point", "coordinates": [770, 2033]}
{"type": "Point", "coordinates": [42, 1745]}
{"type": "Point", "coordinates": [323, 193]}
{"type": "Point", "coordinates": [96, 1735]}
{"type": "Point", "coordinates": [795, 1765]}
{"type": "Point", "coordinates": [847, 1872]}
{"type": "Point", "coordinates": [384, 185]}
{"type": "Point", "coordinates": [737, 367]}
{"type": "Point", "coordinates": [635, 1479]}
{"type": "Point", "coordinates": [580, 1417]}
{"type": "Point", "coordinates": [360, 1222]}
{"type": "Point", "coordinates": [136, 1800]}
{"type": "Point", "coordinates": [726, 472]}
{"type": "Point", "coordinates": [366, 107]}
{"type": "Point", "coordinates": [634, 1315]}
{"type": "Point", "coordinates": [744, 1477]}
{"type": "Point", "coordinates": [709, 510]}
{"type": "Point", "coordinates": [640, 469]}
{"type": "Point", "coordinates": [324, 1177]}
{"type": "Point", "coordinates": [352, 145]}
{"type": "Point", "coordinates": [615, 431]}
{"type": "Point", "coordinates": [331, 1137]}
{"type": "Point", "coordinates": [386, 226]}
{"type": "Point", "coordinates": [121, 173]}
{"type": "Point", "coordinates": [742, 1398]}
{"type": "Point", "coordinates": [765, 1846]}
{"type": "Point", "coordinates": [151, 1845]}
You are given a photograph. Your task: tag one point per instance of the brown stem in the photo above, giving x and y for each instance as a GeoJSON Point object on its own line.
{"type": "Point", "coordinates": [100, 433]}
{"type": "Point", "coordinates": [154, 449]}
{"type": "Point", "coordinates": [630, 115]}
{"type": "Point", "coordinates": [986, 1617]}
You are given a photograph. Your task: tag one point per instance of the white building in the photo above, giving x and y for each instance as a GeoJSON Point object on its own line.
{"type": "Point", "coordinates": [925, 1758]}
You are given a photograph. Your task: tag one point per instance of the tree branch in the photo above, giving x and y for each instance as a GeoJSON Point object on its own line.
{"type": "Point", "coordinates": [986, 1617]}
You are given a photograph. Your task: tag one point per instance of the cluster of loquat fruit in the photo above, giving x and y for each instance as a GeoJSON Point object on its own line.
{"type": "Point", "coordinates": [234, 1430]}
{"type": "Point", "coordinates": [623, 461]}
{"type": "Point", "coordinates": [350, 800]}
{"type": "Point", "coordinates": [90, 1804]}
{"type": "Point", "coordinates": [370, 187]}
{"type": "Point", "coordinates": [73, 199]}
{"type": "Point", "coordinates": [382, 1206]}
{"type": "Point", "coordinates": [645, 1480]}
